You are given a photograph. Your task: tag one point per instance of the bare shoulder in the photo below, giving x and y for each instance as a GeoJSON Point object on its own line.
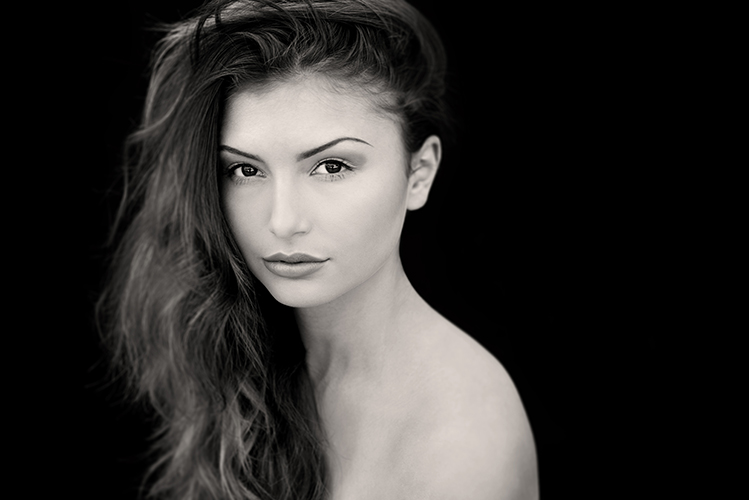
{"type": "Point", "coordinates": [475, 441]}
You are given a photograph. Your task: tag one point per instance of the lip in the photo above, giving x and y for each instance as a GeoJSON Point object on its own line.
{"type": "Point", "coordinates": [296, 265]}
{"type": "Point", "coordinates": [294, 258]}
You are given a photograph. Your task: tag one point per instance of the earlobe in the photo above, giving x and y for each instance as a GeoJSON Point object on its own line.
{"type": "Point", "coordinates": [424, 165]}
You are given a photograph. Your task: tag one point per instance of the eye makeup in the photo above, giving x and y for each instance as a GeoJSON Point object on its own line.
{"type": "Point", "coordinates": [341, 168]}
{"type": "Point", "coordinates": [328, 169]}
{"type": "Point", "coordinates": [242, 172]}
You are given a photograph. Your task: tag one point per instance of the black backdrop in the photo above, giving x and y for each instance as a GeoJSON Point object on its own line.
{"type": "Point", "coordinates": [527, 243]}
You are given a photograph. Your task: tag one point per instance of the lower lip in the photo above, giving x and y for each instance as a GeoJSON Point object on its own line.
{"type": "Point", "coordinates": [296, 270]}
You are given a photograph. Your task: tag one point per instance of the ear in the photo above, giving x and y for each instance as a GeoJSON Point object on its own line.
{"type": "Point", "coordinates": [424, 165]}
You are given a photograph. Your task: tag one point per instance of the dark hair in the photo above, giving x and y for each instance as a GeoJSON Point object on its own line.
{"type": "Point", "coordinates": [181, 310]}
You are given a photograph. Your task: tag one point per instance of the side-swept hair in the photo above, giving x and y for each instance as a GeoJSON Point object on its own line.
{"type": "Point", "coordinates": [181, 310]}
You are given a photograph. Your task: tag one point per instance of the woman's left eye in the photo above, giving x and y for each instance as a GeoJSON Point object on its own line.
{"type": "Point", "coordinates": [332, 168]}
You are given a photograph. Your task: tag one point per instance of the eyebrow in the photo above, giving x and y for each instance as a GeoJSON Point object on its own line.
{"type": "Point", "coordinates": [301, 156]}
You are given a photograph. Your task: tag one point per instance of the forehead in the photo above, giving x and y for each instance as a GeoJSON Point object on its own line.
{"type": "Point", "coordinates": [305, 108]}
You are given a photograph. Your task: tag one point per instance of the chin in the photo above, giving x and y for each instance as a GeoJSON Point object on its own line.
{"type": "Point", "coordinates": [298, 293]}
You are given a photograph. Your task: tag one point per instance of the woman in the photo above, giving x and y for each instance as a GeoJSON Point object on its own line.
{"type": "Point", "coordinates": [257, 299]}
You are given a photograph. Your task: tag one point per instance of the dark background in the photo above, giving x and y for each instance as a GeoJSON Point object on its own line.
{"type": "Point", "coordinates": [533, 239]}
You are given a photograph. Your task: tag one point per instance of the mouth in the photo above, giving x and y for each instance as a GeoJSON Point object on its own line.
{"type": "Point", "coordinates": [295, 258]}
{"type": "Point", "coordinates": [297, 265]}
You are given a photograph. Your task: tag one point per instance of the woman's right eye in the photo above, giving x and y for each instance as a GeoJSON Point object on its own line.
{"type": "Point", "coordinates": [242, 170]}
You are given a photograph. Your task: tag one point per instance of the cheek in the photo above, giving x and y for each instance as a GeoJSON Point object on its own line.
{"type": "Point", "coordinates": [362, 219]}
{"type": "Point", "coordinates": [239, 214]}
{"type": "Point", "coordinates": [370, 218]}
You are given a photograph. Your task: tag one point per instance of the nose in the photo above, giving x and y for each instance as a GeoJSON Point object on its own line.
{"type": "Point", "coordinates": [287, 216]}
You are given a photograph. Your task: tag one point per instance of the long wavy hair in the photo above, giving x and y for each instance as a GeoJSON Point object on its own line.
{"type": "Point", "coordinates": [189, 327]}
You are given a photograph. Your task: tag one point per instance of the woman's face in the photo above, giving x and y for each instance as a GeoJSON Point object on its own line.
{"type": "Point", "coordinates": [316, 172]}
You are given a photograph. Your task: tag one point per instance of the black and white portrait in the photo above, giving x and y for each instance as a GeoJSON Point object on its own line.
{"type": "Point", "coordinates": [345, 250]}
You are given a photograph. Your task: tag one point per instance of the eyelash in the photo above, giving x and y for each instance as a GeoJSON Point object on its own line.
{"type": "Point", "coordinates": [346, 168]}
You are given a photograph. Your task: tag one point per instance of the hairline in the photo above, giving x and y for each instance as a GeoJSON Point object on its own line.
{"type": "Point", "coordinates": [380, 99]}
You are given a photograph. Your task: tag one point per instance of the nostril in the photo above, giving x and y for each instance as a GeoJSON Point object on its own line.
{"type": "Point", "coordinates": [287, 218]}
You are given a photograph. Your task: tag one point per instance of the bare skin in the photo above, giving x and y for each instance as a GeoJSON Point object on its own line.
{"type": "Point", "coordinates": [412, 407]}
{"type": "Point", "coordinates": [425, 398]}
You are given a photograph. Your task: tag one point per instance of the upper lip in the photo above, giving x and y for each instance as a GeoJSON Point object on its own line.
{"type": "Point", "coordinates": [294, 258]}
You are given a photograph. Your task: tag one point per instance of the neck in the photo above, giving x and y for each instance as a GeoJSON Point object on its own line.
{"type": "Point", "coordinates": [354, 335]}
